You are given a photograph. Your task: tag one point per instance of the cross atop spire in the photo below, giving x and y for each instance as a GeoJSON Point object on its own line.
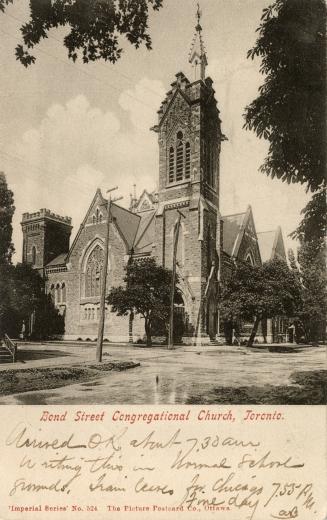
{"type": "Point", "coordinates": [197, 56]}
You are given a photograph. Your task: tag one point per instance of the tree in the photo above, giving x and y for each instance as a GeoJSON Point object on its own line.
{"type": "Point", "coordinates": [310, 266]}
{"type": "Point", "coordinates": [146, 292]}
{"type": "Point", "coordinates": [310, 270]}
{"type": "Point", "coordinates": [290, 110]}
{"type": "Point", "coordinates": [20, 289]}
{"type": "Point", "coordinates": [5, 317]}
{"type": "Point", "coordinates": [7, 210]}
{"type": "Point", "coordinates": [22, 292]}
{"type": "Point", "coordinates": [95, 26]}
{"type": "Point", "coordinates": [48, 321]}
{"type": "Point", "coordinates": [313, 227]}
{"type": "Point", "coordinates": [259, 292]}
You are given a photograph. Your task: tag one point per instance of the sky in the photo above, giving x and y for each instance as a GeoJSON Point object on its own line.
{"type": "Point", "coordinates": [67, 129]}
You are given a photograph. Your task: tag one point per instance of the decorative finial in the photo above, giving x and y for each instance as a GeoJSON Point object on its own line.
{"type": "Point", "coordinates": [198, 15]}
{"type": "Point", "coordinates": [198, 58]}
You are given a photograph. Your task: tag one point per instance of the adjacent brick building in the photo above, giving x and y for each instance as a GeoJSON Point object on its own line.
{"type": "Point", "coordinates": [189, 140]}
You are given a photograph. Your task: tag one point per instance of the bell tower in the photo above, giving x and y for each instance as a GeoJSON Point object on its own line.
{"type": "Point", "coordinates": [189, 137]}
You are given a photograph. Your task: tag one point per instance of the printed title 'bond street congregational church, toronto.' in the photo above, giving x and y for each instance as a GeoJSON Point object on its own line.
{"type": "Point", "coordinates": [189, 139]}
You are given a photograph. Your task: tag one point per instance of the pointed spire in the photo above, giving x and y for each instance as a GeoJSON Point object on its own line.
{"type": "Point", "coordinates": [197, 56]}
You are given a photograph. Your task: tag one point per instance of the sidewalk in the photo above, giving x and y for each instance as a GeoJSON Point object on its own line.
{"type": "Point", "coordinates": [56, 354]}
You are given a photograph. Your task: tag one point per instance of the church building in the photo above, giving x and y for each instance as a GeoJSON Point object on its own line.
{"type": "Point", "coordinates": [190, 138]}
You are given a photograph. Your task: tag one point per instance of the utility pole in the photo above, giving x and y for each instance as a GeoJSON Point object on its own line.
{"type": "Point", "coordinates": [173, 282]}
{"type": "Point", "coordinates": [104, 277]}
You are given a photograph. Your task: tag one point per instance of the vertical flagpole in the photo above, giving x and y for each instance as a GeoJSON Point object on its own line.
{"type": "Point", "coordinates": [173, 282]}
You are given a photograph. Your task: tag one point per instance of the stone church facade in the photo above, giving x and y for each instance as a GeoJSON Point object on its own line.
{"type": "Point", "coordinates": [189, 141]}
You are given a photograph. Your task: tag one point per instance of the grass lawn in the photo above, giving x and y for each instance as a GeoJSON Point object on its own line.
{"type": "Point", "coordinates": [307, 388]}
{"type": "Point", "coordinates": [14, 381]}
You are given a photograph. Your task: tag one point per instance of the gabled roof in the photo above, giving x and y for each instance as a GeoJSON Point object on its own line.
{"type": "Point", "coordinates": [126, 222]}
{"type": "Point", "coordinates": [145, 202]}
{"type": "Point", "coordinates": [235, 229]}
{"type": "Point", "coordinates": [145, 233]}
{"type": "Point", "coordinates": [97, 195]}
{"type": "Point", "coordinates": [271, 245]}
{"type": "Point", "coordinates": [59, 260]}
{"type": "Point", "coordinates": [146, 219]}
{"type": "Point", "coordinates": [166, 105]}
{"type": "Point", "coordinates": [232, 227]}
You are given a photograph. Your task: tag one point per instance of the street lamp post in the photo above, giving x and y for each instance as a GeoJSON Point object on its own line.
{"type": "Point", "coordinates": [104, 277]}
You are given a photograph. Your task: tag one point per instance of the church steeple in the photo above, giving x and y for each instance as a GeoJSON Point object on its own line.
{"type": "Point", "coordinates": [197, 56]}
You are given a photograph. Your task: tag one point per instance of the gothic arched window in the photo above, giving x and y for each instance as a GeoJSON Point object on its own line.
{"type": "Point", "coordinates": [171, 164]}
{"type": "Point", "coordinates": [63, 292]}
{"type": "Point", "coordinates": [179, 157]}
{"type": "Point", "coordinates": [94, 272]}
{"type": "Point", "coordinates": [187, 160]}
{"type": "Point", "coordinates": [52, 292]}
{"type": "Point", "coordinates": [33, 255]}
{"type": "Point", "coordinates": [58, 294]}
{"type": "Point", "coordinates": [249, 258]}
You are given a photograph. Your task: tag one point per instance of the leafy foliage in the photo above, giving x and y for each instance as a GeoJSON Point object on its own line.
{"type": "Point", "coordinates": [310, 270]}
{"type": "Point", "coordinates": [313, 226]}
{"type": "Point", "coordinates": [290, 110]}
{"type": "Point", "coordinates": [95, 26]}
{"type": "Point", "coordinates": [7, 209]}
{"type": "Point", "coordinates": [146, 292]}
{"type": "Point", "coordinates": [22, 292]}
{"type": "Point", "coordinates": [259, 292]}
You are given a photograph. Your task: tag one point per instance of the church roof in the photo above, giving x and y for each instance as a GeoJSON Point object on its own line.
{"type": "Point", "coordinates": [232, 227]}
{"type": "Point", "coordinates": [127, 223]}
{"type": "Point", "coordinates": [145, 231]}
{"type": "Point", "coordinates": [266, 242]}
{"type": "Point", "coordinates": [59, 260]}
{"type": "Point", "coordinates": [271, 244]}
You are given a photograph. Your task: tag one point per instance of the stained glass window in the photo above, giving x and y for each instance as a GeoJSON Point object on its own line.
{"type": "Point", "coordinates": [93, 274]}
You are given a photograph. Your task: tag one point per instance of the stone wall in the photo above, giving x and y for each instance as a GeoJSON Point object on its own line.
{"type": "Point", "coordinates": [79, 324]}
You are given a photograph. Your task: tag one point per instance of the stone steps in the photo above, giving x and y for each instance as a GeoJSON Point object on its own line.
{"type": "Point", "coordinates": [5, 356]}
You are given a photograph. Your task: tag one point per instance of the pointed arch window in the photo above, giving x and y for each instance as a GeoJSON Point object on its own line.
{"type": "Point", "coordinates": [249, 258]}
{"type": "Point", "coordinates": [187, 160]}
{"type": "Point", "coordinates": [171, 164]}
{"type": "Point", "coordinates": [63, 292]}
{"type": "Point", "coordinates": [179, 159]}
{"type": "Point", "coordinates": [58, 294]}
{"type": "Point", "coordinates": [94, 272]}
{"type": "Point", "coordinates": [33, 255]}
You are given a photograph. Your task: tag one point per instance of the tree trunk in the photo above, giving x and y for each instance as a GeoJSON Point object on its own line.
{"type": "Point", "coordinates": [130, 327]}
{"type": "Point", "coordinates": [253, 332]}
{"type": "Point", "coordinates": [147, 327]}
